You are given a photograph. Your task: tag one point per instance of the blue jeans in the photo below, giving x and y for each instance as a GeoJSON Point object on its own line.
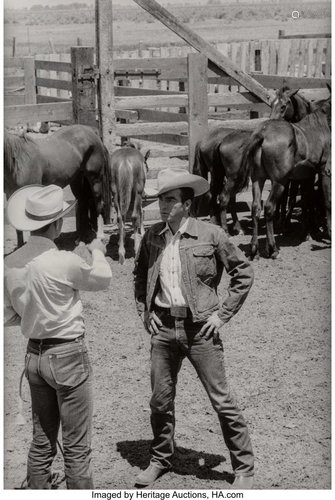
{"type": "Point", "coordinates": [176, 339]}
{"type": "Point", "coordinates": [60, 381]}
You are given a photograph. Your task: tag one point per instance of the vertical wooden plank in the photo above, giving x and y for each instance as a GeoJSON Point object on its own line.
{"type": "Point", "coordinates": [29, 80]}
{"type": "Point", "coordinates": [173, 85]}
{"type": "Point", "coordinates": [302, 58]}
{"type": "Point", "coordinates": [197, 102]}
{"type": "Point", "coordinates": [53, 75]}
{"type": "Point", "coordinates": [83, 84]}
{"type": "Point", "coordinates": [234, 56]}
{"type": "Point", "coordinates": [272, 58]}
{"type": "Point", "coordinates": [294, 57]}
{"type": "Point", "coordinates": [252, 57]}
{"type": "Point", "coordinates": [265, 57]}
{"type": "Point", "coordinates": [328, 59]}
{"type": "Point", "coordinates": [310, 58]}
{"type": "Point", "coordinates": [283, 57]}
{"type": "Point", "coordinates": [63, 75]}
{"type": "Point", "coordinates": [104, 60]}
{"type": "Point", "coordinates": [319, 58]}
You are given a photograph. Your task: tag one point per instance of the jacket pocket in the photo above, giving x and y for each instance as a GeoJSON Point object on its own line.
{"type": "Point", "coordinates": [205, 262]}
{"type": "Point", "coordinates": [70, 369]}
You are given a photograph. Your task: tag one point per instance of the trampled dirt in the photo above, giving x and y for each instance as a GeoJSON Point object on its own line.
{"type": "Point", "coordinates": [277, 352]}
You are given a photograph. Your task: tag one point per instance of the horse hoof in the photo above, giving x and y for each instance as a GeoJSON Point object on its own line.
{"type": "Point", "coordinates": [275, 255]}
{"type": "Point", "coordinates": [121, 260]}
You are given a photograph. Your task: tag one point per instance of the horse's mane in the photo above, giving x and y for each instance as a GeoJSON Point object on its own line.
{"type": "Point", "coordinates": [318, 118]}
{"type": "Point", "coordinates": [16, 151]}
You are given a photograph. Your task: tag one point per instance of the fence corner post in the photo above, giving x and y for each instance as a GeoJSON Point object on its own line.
{"type": "Point", "coordinates": [83, 86]}
{"type": "Point", "coordinates": [197, 102]}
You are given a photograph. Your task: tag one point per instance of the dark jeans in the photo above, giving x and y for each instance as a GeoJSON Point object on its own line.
{"type": "Point", "coordinates": [60, 381]}
{"type": "Point", "coordinates": [176, 339]}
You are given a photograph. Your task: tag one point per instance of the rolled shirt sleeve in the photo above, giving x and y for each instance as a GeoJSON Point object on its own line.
{"type": "Point", "coordinates": [90, 277]}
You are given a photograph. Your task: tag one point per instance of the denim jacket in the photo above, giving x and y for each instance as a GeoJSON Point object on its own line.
{"type": "Point", "coordinates": [205, 250]}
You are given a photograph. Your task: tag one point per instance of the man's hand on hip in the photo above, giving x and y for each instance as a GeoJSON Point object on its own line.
{"type": "Point", "coordinates": [211, 327]}
{"type": "Point", "coordinates": [151, 322]}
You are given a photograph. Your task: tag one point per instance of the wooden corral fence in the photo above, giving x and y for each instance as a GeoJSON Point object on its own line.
{"type": "Point", "coordinates": [45, 79]}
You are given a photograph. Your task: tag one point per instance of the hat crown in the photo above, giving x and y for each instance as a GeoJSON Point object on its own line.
{"type": "Point", "coordinates": [45, 202]}
{"type": "Point", "coordinates": [170, 175]}
{"type": "Point", "coordinates": [178, 178]}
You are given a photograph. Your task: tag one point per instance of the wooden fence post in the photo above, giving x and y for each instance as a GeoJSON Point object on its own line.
{"type": "Point", "coordinates": [197, 102]}
{"type": "Point", "coordinates": [104, 61]}
{"type": "Point", "coordinates": [29, 80]}
{"type": "Point", "coordinates": [83, 84]}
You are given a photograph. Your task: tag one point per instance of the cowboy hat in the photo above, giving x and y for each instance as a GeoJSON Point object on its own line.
{"type": "Point", "coordinates": [35, 206]}
{"type": "Point", "coordinates": [176, 178]}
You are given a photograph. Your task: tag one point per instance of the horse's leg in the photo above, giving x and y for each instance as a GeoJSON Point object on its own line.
{"type": "Point", "coordinates": [237, 228]}
{"type": "Point", "coordinates": [20, 239]}
{"type": "Point", "coordinates": [223, 204]}
{"type": "Point", "coordinates": [82, 219]}
{"type": "Point", "coordinates": [256, 209]}
{"type": "Point", "coordinates": [307, 207]}
{"type": "Point", "coordinates": [293, 193]}
{"type": "Point", "coordinates": [137, 220]}
{"type": "Point", "coordinates": [269, 211]}
{"type": "Point", "coordinates": [121, 226]}
{"type": "Point", "coordinates": [214, 206]}
{"type": "Point", "coordinates": [326, 188]}
{"type": "Point", "coordinates": [280, 213]}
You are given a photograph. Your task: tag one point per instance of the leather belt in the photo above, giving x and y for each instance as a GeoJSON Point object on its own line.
{"type": "Point", "coordinates": [174, 311]}
{"type": "Point", "coordinates": [54, 341]}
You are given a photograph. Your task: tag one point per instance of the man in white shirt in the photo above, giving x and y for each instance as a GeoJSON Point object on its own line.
{"type": "Point", "coordinates": [41, 294]}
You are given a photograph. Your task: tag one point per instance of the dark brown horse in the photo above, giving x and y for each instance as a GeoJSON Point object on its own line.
{"type": "Point", "coordinates": [73, 155]}
{"type": "Point", "coordinates": [129, 169]}
{"type": "Point", "coordinates": [280, 151]}
{"type": "Point", "coordinates": [220, 155]}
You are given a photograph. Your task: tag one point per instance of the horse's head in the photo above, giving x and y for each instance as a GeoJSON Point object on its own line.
{"type": "Point", "coordinates": [282, 106]}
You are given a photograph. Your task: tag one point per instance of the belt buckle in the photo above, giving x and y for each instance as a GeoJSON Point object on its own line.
{"type": "Point", "coordinates": [178, 311]}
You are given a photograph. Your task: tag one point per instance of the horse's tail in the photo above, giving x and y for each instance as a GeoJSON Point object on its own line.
{"type": "Point", "coordinates": [247, 162]}
{"type": "Point", "coordinates": [125, 181]}
{"type": "Point", "coordinates": [199, 166]}
{"type": "Point", "coordinates": [106, 187]}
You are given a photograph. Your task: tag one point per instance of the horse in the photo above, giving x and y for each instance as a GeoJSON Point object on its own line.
{"type": "Point", "coordinates": [220, 154]}
{"type": "Point", "coordinates": [73, 155]}
{"type": "Point", "coordinates": [292, 107]}
{"type": "Point", "coordinates": [326, 187]}
{"type": "Point", "coordinates": [279, 151]}
{"type": "Point", "coordinates": [128, 175]}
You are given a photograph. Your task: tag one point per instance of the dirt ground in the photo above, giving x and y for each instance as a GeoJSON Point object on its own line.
{"type": "Point", "coordinates": [277, 352]}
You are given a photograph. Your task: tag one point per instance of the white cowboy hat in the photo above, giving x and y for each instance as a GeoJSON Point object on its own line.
{"type": "Point", "coordinates": [176, 178]}
{"type": "Point", "coordinates": [35, 206]}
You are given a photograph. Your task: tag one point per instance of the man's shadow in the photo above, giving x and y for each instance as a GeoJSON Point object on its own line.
{"type": "Point", "coordinates": [185, 462]}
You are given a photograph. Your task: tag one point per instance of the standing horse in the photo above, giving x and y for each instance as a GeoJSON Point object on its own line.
{"type": "Point", "coordinates": [73, 155]}
{"type": "Point", "coordinates": [220, 153]}
{"type": "Point", "coordinates": [129, 169]}
{"type": "Point", "coordinates": [292, 107]}
{"type": "Point", "coordinates": [279, 151]}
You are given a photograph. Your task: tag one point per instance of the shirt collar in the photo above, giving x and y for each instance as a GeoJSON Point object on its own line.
{"type": "Point", "coordinates": [181, 230]}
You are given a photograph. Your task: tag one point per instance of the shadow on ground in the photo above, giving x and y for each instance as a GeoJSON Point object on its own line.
{"type": "Point", "coordinates": [185, 462]}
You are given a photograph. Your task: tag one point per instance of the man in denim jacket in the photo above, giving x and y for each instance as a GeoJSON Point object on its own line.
{"type": "Point", "coordinates": [177, 271]}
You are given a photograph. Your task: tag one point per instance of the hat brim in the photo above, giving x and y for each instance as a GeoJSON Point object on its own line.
{"type": "Point", "coordinates": [16, 214]}
{"type": "Point", "coordinates": [199, 185]}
